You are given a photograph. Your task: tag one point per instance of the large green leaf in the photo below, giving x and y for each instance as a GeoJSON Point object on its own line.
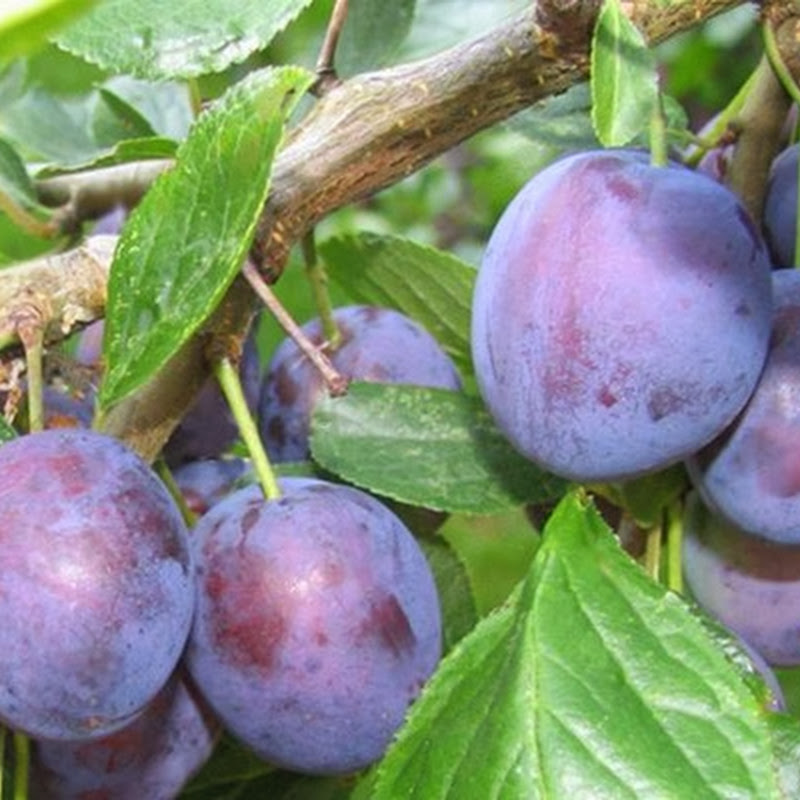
{"type": "Point", "coordinates": [592, 682]}
{"type": "Point", "coordinates": [624, 78]}
{"type": "Point", "coordinates": [184, 38]}
{"type": "Point", "coordinates": [425, 447]}
{"type": "Point", "coordinates": [429, 285]}
{"type": "Point", "coordinates": [24, 24]}
{"type": "Point", "coordinates": [185, 242]}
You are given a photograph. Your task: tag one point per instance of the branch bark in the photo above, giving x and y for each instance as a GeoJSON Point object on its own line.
{"type": "Point", "coordinates": [375, 129]}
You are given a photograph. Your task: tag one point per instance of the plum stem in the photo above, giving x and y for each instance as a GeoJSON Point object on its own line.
{"type": "Point", "coordinates": [318, 278]}
{"type": "Point", "coordinates": [652, 553]}
{"type": "Point", "coordinates": [228, 377]}
{"type": "Point", "coordinates": [674, 546]}
{"type": "Point", "coordinates": [658, 135]}
{"type": "Point", "coordinates": [32, 337]}
{"type": "Point", "coordinates": [165, 473]}
{"type": "Point", "coordinates": [335, 382]}
{"type": "Point", "coordinates": [22, 760]}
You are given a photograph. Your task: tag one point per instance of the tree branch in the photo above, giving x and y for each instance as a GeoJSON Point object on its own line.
{"type": "Point", "coordinates": [375, 129]}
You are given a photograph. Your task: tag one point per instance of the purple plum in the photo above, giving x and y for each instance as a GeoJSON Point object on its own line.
{"type": "Point", "coordinates": [780, 207]}
{"type": "Point", "coordinates": [377, 344]}
{"type": "Point", "coordinates": [751, 585]}
{"type": "Point", "coordinates": [621, 315]}
{"type": "Point", "coordinates": [96, 591]}
{"type": "Point", "coordinates": [317, 623]}
{"type": "Point", "coordinates": [151, 758]}
{"type": "Point", "coordinates": [751, 474]}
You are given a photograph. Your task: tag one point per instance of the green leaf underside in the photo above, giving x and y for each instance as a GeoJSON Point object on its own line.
{"type": "Point", "coordinates": [623, 78]}
{"type": "Point", "coordinates": [592, 682]}
{"type": "Point", "coordinates": [25, 26]}
{"type": "Point", "coordinates": [429, 285]}
{"type": "Point", "coordinates": [373, 34]}
{"type": "Point", "coordinates": [426, 447]}
{"type": "Point", "coordinates": [153, 147]}
{"type": "Point", "coordinates": [153, 39]}
{"type": "Point", "coordinates": [185, 242]}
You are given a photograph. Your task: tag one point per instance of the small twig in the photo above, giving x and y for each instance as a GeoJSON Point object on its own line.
{"type": "Point", "coordinates": [335, 382]}
{"type": "Point", "coordinates": [326, 71]}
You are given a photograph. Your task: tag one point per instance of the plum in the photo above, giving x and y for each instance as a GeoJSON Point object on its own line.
{"type": "Point", "coordinates": [750, 585]}
{"type": "Point", "coordinates": [204, 483]}
{"type": "Point", "coordinates": [377, 344]}
{"type": "Point", "coordinates": [621, 315]}
{"type": "Point", "coordinates": [208, 428]}
{"type": "Point", "coordinates": [780, 207]}
{"type": "Point", "coordinates": [751, 473]}
{"type": "Point", "coordinates": [317, 623]}
{"type": "Point", "coordinates": [152, 757]}
{"type": "Point", "coordinates": [96, 591]}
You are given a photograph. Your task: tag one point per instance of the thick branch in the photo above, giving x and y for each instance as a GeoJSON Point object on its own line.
{"type": "Point", "coordinates": [374, 130]}
{"type": "Point", "coordinates": [377, 128]}
{"type": "Point", "coordinates": [56, 292]}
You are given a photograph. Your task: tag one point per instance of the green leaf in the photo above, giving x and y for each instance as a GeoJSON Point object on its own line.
{"type": "Point", "coordinates": [561, 122]}
{"type": "Point", "coordinates": [459, 614]}
{"type": "Point", "coordinates": [15, 182]}
{"type": "Point", "coordinates": [496, 552]}
{"type": "Point", "coordinates": [7, 432]}
{"type": "Point", "coordinates": [373, 33]}
{"type": "Point", "coordinates": [785, 732]}
{"type": "Point", "coordinates": [592, 682]}
{"type": "Point", "coordinates": [624, 78]}
{"type": "Point", "coordinates": [429, 285]}
{"type": "Point", "coordinates": [182, 39]}
{"type": "Point", "coordinates": [426, 447]}
{"type": "Point", "coordinates": [184, 243]}
{"type": "Point", "coordinates": [114, 120]}
{"type": "Point", "coordinates": [153, 147]}
{"type": "Point", "coordinates": [25, 24]}
{"type": "Point", "coordinates": [48, 129]}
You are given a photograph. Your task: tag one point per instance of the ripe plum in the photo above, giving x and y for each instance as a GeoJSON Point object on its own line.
{"type": "Point", "coordinates": [204, 483]}
{"type": "Point", "coordinates": [317, 623]}
{"type": "Point", "coordinates": [780, 207]}
{"type": "Point", "coordinates": [151, 758]}
{"type": "Point", "coordinates": [751, 474]}
{"type": "Point", "coordinates": [96, 591]}
{"type": "Point", "coordinates": [621, 315]}
{"type": "Point", "coordinates": [208, 428]}
{"type": "Point", "coordinates": [377, 344]}
{"type": "Point", "coordinates": [749, 584]}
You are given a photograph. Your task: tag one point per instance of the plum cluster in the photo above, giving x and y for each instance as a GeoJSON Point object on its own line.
{"type": "Point", "coordinates": [628, 317]}
{"type": "Point", "coordinates": [303, 625]}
